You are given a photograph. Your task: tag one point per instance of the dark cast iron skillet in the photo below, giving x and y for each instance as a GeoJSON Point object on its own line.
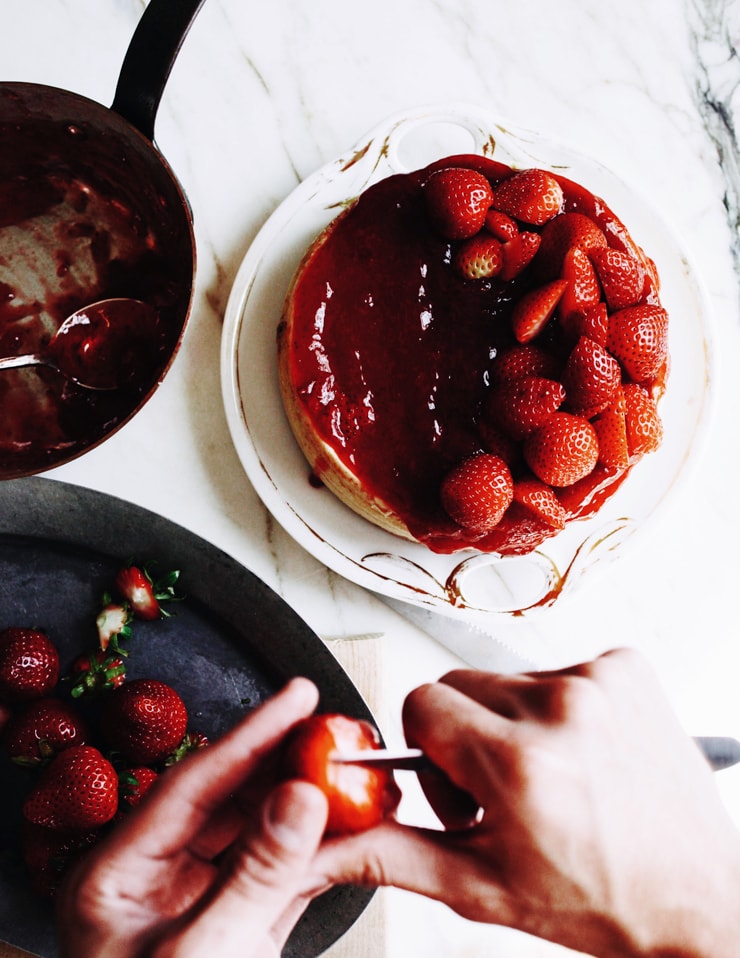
{"type": "Point", "coordinates": [89, 208]}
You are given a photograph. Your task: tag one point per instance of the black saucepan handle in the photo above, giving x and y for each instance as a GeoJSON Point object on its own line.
{"type": "Point", "coordinates": [149, 59]}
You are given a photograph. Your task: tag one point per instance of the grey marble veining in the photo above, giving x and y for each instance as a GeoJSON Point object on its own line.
{"type": "Point", "coordinates": [715, 42]}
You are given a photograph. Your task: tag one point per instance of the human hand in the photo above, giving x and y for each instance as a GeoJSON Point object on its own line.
{"type": "Point", "coordinates": [601, 827]}
{"type": "Point", "coordinates": [213, 863]}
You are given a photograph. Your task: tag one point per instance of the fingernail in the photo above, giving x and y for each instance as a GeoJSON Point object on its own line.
{"type": "Point", "coordinates": [293, 816]}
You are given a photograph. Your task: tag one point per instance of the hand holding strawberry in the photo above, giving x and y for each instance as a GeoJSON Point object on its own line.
{"type": "Point", "coordinates": [358, 797]}
{"type": "Point", "coordinates": [193, 862]}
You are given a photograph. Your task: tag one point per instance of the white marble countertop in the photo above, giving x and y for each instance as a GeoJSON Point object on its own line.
{"type": "Point", "coordinates": [264, 94]}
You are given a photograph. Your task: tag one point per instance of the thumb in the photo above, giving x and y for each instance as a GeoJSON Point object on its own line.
{"type": "Point", "coordinates": [262, 889]}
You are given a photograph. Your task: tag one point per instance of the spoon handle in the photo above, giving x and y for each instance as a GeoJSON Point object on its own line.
{"type": "Point", "coordinates": [13, 362]}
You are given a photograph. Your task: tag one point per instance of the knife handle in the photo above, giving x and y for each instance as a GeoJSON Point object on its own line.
{"type": "Point", "coordinates": [721, 751]}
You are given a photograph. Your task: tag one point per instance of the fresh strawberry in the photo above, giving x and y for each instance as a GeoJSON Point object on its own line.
{"type": "Point", "coordinates": [520, 406]}
{"type": "Point", "coordinates": [621, 276]}
{"type": "Point", "coordinates": [541, 500]}
{"type": "Point", "coordinates": [592, 322]}
{"type": "Point", "coordinates": [78, 790]}
{"type": "Point", "coordinates": [29, 664]}
{"type": "Point", "coordinates": [113, 623]}
{"type": "Point", "coordinates": [534, 310]}
{"type": "Point", "coordinates": [480, 257]}
{"type": "Point", "coordinates": [359, 797]}
{"type": "Point", "coordinates": [500, 225]}
{"type": "Point", "coordinates": [96, 671]}
{"type": "Point", "coordinates": [518, 254]}
{"type": "Point", "coordinates": [583, 289]}
{"type": "Point", "coordinates": [563, 450]}
{"type": "Point", "coordinates": [145, 595]}
{"type": "Point", "coordinates": [48, 854]}
{"type": "Point", "coordinates": [638, 337]}
{"type": "Point", "coordinates": [133, 785]}
{"type": "Point", "coordinates": [562, 234]}
{"type": "Point", "coordinates": [145, 720]}
{"type": "Point", "coordinates": [477, 492]}
{"type": "Point", "coordinates": [42, 729]}
{"type": "Point", "coordinates": [457, 201]}
{"type": "Point", "coordinates": [524, 359]}
{"type": "Point", "coordinates": [644, 427]}
{"type": "Point", "coordinates": [591, 378]}
{"type": "Point", "coordinates": [530, 196]}
{"type": "Point", "coordinates": [499, 443]}
{"type": "Point", "coordinates": [611, 431]}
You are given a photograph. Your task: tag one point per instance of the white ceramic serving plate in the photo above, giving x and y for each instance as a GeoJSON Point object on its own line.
{"type": "Point", "coordinates": [469, 581]}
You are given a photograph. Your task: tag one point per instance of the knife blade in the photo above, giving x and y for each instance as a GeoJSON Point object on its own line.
{"type": "Point", "coordinates": [403, 759]}
{"type": "Point", "coordinates": [472, 643]}
{"type": "Point", "coordinates": [721, 751]}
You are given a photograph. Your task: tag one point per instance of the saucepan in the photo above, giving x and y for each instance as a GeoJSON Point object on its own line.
{"type": "Point", "coordinates": [89, 209]}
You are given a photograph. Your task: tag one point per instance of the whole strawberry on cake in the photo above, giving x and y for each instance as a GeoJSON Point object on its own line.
{"type": "Point", "coordinates": [472, 356]}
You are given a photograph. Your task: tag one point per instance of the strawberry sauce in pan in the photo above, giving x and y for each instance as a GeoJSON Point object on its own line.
{"type": "Point", "coordinates": [84, 215]}
{"type": "Point", "coordinates": [392, 355]}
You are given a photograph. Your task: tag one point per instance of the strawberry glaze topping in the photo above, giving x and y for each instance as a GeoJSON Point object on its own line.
{"type": "Point", "coordinates": [393, 354]}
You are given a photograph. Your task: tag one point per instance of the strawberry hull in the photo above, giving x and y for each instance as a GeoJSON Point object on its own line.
{"type": "Point", "coordinates": [389, 354]}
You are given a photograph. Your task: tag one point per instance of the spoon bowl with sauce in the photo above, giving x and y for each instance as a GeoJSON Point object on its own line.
{"type": "Point", "coordinates": [97, 345]}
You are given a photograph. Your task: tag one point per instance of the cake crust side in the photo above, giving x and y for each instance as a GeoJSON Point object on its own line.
{"type": "Point", "coordinates": [321, 457]}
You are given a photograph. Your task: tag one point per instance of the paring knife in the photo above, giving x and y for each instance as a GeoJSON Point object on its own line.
{"type": "Point", "coordinates": [721, 751]}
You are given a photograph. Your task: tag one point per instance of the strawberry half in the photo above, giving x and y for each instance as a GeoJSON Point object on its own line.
{"type": "Point", "coordinates": [477, 492]}
{"type": "Point", "coordinates": [113, 623]}
{"type": "Point", "coordinates": [498, 443]}
{"type": "Point", "coordinates": [563, 450]}
{"type": "Point", "coordinates": [145, 720]}
{"type": "Point", "coordinates": [457, 201]}
{"type": "Point", "coordinates": [562, 234]}
{"type": "Point", "coordinates": [535, 309]}
{"type": "Point", "coordinates": [622, 278]}
{"type": "Point", "coordinates": [518, 254]}
{"type": "Point", "coordinates": [591, 378]}
{"type": "Point", "coordinates": [500, 225]}
{"type": "Point", "coordinates": [644, 427]}
{"type": "Point", "coordinates": [78, 790]}
{"type": "Point", "coordinates": [520, 406]}
{"type": "Point", "coordinates": [480, 257]}
{"type": "Point", "coordinates": [522, 360]}
{"type": "Point", "coordinates": [611, 431]}
{"type": "Point", "coordinates": [583, 289]}
{"type": "Point", "coordinates": [530, 196]}
{"type": "Point", "coordinates": [29, 664]}
{"type": "Point", "coordinates": [638, 337]}
{"type": "Point", "coordinates": [539, 499]}
{"type": "Point", "coordinates": [143, 594]}
{"type": "Point", "coordinates": [593, 322]}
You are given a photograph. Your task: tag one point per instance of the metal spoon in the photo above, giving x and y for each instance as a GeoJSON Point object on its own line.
{"type": "Point", "coordinates": [94, 345]}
